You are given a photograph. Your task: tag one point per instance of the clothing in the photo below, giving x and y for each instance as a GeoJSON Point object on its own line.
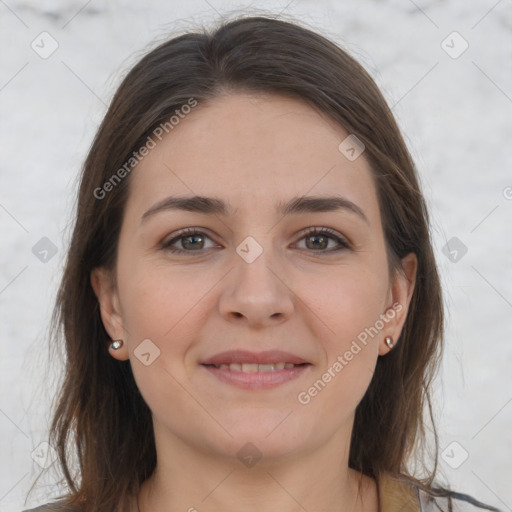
{"type": "Point", "coordinates": [398, 496]}
{"type": "Point", "coordinates": [394, 495]}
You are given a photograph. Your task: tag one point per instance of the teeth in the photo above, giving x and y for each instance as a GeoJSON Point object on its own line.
{"type": "Point", "coordinates": [253, 368]}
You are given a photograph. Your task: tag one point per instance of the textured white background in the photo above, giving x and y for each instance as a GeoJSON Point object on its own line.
{"type": "Point", "coordinates": [457, 118]}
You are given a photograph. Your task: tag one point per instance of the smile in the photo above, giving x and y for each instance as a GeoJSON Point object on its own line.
{"type": "Point", "coordinates": [253, 368]}
{"type": "Point", "coordinates": [254, 376]}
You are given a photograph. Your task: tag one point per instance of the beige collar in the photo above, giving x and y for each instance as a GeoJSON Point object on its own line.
{"type": "Point", "coordinates": [395, 495]}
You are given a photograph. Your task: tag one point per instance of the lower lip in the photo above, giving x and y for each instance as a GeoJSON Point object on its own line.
{"type": "Point", "coordinates": [257, 380]}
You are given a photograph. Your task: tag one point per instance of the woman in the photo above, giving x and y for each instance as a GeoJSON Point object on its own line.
{"type": "Point", "coordinates": [251, 307]}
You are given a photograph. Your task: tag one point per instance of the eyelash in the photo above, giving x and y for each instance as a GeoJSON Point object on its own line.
{"type": "Point", "coordinates": [187, 232]}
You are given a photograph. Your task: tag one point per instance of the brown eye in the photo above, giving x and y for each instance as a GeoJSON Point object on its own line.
{"type": "Point", "coordinates": [192, 242]}
{"type": "Point", "coordinates": [324, 240]}
{"type": "Point", "coordinates": [189, 240]}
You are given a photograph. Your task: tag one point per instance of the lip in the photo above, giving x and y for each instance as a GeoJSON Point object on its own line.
{"type": "Point", "coordinates": [245, 356]}
{"type": "Point", "coordinates": [257, 380]}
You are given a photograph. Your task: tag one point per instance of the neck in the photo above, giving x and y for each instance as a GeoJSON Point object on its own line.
{"type": "Point", "coordinates": [193, 481]}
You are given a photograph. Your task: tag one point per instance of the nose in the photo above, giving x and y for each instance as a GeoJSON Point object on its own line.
{"type": "Point", "coordinates": [256, 294]}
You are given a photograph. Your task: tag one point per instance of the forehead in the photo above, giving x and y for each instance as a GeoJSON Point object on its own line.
{"type": "Point", "coordinates": [252, 150]}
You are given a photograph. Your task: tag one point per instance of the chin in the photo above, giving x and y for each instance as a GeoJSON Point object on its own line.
{"type": "Point", "coordinates": [274, 434]}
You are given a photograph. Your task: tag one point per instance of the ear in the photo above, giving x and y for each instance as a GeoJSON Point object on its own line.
{"type": "Point", "coordinates": [400, 294]}
{"type": "Point", "coordinates": [110, 310]}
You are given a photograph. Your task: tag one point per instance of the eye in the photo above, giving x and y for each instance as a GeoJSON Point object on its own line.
{"type": "Point", "coordinates": [319, 239]}
{"type": "Point", "coordinates": [316, 239]}
{"type": "Point", "coordinates": [188, 240]}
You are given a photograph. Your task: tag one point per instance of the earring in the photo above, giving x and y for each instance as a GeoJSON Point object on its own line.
{"type": "Point", "coordinates": [115, 344]}
{"type": "Point", "coordinates": [389, 341]}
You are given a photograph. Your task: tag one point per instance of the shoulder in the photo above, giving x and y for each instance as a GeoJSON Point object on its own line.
{"type": "Point", "coordinates": [401, 493]}
{"type": "Point", "coordinates": [53, 507]}
{"type": "Point", "coordinates": [453, 501]}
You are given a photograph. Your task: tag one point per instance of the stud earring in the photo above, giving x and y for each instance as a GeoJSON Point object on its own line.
{"type": "Point", "coordinates": [115, 344]}
{"type": "Point", "coordinates": [389, 341]}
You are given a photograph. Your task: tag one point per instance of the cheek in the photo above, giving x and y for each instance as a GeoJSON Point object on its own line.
{"type": "Point", "coordinates": [166, 305]}
{"type": "Point", "coordinates": [159, 299]}
{"type": "Point", "coordinates": [346, 301]}
{"type": "Point", "coordinates": [347, 308]}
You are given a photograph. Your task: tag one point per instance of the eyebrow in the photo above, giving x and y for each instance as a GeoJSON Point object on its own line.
{"type": "Point", "coordinates": [215, 206]}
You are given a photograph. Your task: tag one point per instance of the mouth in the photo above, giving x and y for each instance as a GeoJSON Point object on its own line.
{"type": "Point", "coordinates": [245, 357]}
{"type": "Point", "coordinates": [255, 368]}
{"type": "Point", "coordinates": [255, 371]}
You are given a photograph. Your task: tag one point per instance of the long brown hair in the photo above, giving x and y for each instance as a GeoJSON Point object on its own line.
{"type": "Point", "coordinates": [100, 416]}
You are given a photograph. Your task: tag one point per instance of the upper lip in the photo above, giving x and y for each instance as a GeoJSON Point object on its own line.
{"type": "Point", "coordinates": [244, 356]}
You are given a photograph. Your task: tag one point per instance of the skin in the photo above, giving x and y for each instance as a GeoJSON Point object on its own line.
{"type": "Point", "coordinates": [252, 151]}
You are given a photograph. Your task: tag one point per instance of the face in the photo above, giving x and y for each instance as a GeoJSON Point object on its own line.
{"type": "Point", "coordinates": [261, 268]}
